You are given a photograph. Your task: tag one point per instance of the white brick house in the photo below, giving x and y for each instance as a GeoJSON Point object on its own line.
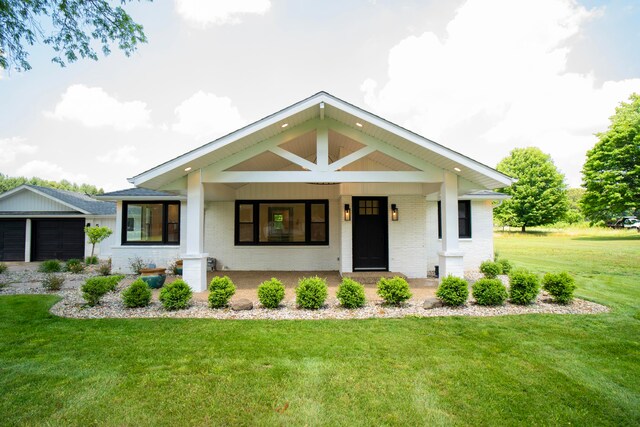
{"type": "Point", "coordinates": [320, 185]}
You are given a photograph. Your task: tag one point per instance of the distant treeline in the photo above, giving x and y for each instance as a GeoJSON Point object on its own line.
{"type": "Point", "coordinates": [9, 182]}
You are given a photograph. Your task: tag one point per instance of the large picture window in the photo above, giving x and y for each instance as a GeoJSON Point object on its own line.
{"type": "Point", "coordinates": [282, 222]}
{"type": "Point", "coordinates": [464, 219]}
{"type": "Point", "coordinates": [151, 223]}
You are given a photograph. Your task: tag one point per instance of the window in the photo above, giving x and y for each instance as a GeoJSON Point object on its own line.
{"type": "Point", "coordinates": [152, 223]}
{"type": "Point", "coordinates": [464, 219]}
{"type": "Point", "coordinates": [282, 222]}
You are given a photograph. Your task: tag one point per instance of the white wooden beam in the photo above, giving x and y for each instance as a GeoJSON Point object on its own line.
{"type": "Point", "coordinates": [317, 176]}
{"type": "Point", "coordinates": [348, 159]}
{"type": "Point", "coordinates": [322, 148]}
{"type": "Point", "coordinates": [294, 158]}
{"type": "Point", "coordinates": [261, 147]}
{"type": "Point", "coordinates": [322, 111]}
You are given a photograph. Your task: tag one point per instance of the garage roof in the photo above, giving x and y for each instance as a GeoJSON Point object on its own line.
{"type": "Point", "coordinates": [82, 203]}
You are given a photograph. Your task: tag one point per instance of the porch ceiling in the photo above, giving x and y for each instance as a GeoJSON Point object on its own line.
{"type": "Point", "coordinates": [299, 136]}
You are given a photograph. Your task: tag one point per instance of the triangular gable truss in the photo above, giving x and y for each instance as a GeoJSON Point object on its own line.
{"type": "Point", "coordinates": [25, 187]}
{"type": "Point", "coordinates": [323, 169]}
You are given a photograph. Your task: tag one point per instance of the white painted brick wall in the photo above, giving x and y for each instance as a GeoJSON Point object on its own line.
{"type": "Point", "coordinates": [161, 256]}
{"type": "Point", "coordinates": [407, 236]}
{"type": "Point", "coordinates": [219, 243]}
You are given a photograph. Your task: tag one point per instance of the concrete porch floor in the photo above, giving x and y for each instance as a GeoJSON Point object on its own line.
{"type": "Point", "coordinates": [247, 284]}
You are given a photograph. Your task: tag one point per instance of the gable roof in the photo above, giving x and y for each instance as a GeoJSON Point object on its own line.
{"type": "Point", "coordinates": [81, 202]}
{"type": "Point", "coordinates": [320, 106]}
{"type": "Point", "coordinates": [139, 194]}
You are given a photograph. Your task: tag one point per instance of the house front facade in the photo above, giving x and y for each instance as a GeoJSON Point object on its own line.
{"type": "Point", "coordinates": [320, 185]}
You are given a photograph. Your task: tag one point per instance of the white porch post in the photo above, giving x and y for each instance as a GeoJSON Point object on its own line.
{"type": "Point", "coordinates": [450, 257]}
{"type": "Point", "coordinates": [194, 260]}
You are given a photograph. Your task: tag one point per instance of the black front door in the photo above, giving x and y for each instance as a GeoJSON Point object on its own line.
{"type": "Point", "coordinates": [370, 228]}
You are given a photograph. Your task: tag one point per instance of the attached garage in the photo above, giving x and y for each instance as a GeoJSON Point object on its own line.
{"type": "Point", "coordinates": [12, 239]}
{"type": "Point", "coordinates": [61, 239]}
{"type": "Point", "coordinates": [40, 223]}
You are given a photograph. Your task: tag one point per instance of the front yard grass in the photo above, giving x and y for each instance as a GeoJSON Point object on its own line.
{"type": "Point", "coordinates": [529, 369]}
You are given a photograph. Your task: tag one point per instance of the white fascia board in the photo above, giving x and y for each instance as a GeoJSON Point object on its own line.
{"type": "Point", "coordinates": [496, 196]}
{"type": "Point", "coordinates": [26, 187]}
{"type": "Point", "coordinates": [195, 154]}
{"type": "Point", "coordinates": [141, 198]}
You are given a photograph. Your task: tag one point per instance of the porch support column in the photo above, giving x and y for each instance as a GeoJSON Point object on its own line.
{"type": "Point", "coordinates": [450, 257]}
{"type": "Point", "coordinates": [194, 267]}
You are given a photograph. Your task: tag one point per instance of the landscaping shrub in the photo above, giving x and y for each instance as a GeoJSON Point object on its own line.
{"type": "Point", "coordinates": [560, 286]}
{"type": "Point", "coordinates": [50, 266]}
{"type": "Point", "coordinates": [394, 291]}
{"type": "Point", "coordinates": [176, 295]}
{"type": "Point", "coordinates": [104, 269]}
{"type": "Point", "coordinates": [453, 291]}
{"type": "Point", "coordinates": [311, 293]}
{"type": "Point", "coordinates": [137, 294]}
{"type": "Point", "coordinates": [221, 289]}
{"type": "Point", "coordinates": [74, 266]}
{"type": "Point", "coordinates": [490, 269]}
{"type": "Point", "coordinates": [489, 292]}
{"type": "Point", "coordinates": [91, 260]}
{"type": "Point", "coordinates": [505, 264]}
{"type": "Point", "coordinates": [271, 293]}
{"type": "Point", "coordinates": [3, 267]}
{"type": "Point", "coordinates": [136, 263]}
{"type": "Point", "coordinates": [523, 286]}
{"type": "Point", "coordinates": [350, 294]}
{"type": "Point", "coordinates": [93, 289]}
{"type": "Point", "coordinates": [53, 282]}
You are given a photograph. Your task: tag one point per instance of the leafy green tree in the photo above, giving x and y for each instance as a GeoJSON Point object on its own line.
{"type": "Point", "coordinates": [9, 182]}
{"type": "Point", "coordinates": [96, 235]}
{"type": "Point", "coordinates": [539, 197]}
{"type": "Point", "coordinates": [611, 174]}
{"type": "Point", "coordinates": [71, 27]}
{"type": "Point", "coordinates": [574, 211]}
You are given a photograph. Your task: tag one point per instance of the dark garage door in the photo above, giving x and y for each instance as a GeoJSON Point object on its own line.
{"type": "Point", "coordinates": [57, 239]}
{"type": "Point", "coordinates": [12, 239]}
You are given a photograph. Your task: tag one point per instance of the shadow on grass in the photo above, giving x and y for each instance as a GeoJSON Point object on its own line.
{"type": "Point", "coordinates": [635, 236]}
{"type": "Point", "coordinates": [526, 233]}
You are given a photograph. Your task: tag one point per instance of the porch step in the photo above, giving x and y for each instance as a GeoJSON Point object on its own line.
{"type": "Point", "coordinates": [371, 277]}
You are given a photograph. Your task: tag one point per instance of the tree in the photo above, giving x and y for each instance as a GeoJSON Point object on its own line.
{"type": "Point", "coordinates": [96, 235]}
{"type": "Point", "coordinates": [611, 174]}
{"type": "Point", "coordinates": [9, 182]}
{"type": "Point", "coordinates": [539, 197]}
{"type": "Point", "coordinates": [574, 212]}
{"type": "Point", "coordinates": [72, 28]}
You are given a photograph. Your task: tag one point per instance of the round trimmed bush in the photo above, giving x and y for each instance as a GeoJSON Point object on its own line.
{"type": "Point", "coordinates": [505, 265]}
{"type": "Point", "coordinates": [394, 291]}
{"type": "Point", "coordinates": [221, 289]}
{"type": "Point", "coordinates": [137, 294]}
{"type": "Point", "coordinates": [490, 269]}
{"type": "Point", "coordinates": [453, 291]}
{"type": "Point", "coordinates": [524, 286]}
{"type": "Point", "coordinates": [489, 292]}
{"type": "Point", "coordinates": [176, 295]}
{"type": "Point", "coordinates": [271, 293]}
{"type": "Point", "coordinates": [350, 294]}
{"type": "Point", "coordinates": [560, 286]}
{"type": "Point", "coordinates": [311, 293]}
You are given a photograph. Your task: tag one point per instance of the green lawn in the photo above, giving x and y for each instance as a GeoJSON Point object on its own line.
{"type": "Point", "coordinates": [534, 369]}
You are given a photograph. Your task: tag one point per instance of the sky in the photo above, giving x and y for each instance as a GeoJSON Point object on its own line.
{"type": "Point", "coordinates": [481, 77]}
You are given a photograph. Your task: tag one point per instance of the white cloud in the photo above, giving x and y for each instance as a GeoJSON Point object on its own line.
{"type": "Point", "coordinates": [204, 12]}
{"type": "Point", "coordinates": [10, 148]}
{"type": "Point", "coordinates": [93, 107]}
{"type": "Point", "coordinates": [207, 116]}
{"type": "Point", "coordinates": [51, 171]}
{"type": "Point", "coordinates": [125, 155]}
{"type": "Point", "coordinates": [498, 80]}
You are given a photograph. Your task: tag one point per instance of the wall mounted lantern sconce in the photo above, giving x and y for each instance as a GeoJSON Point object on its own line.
{"type": "Point", "coordinates": [394, 212]}
{"type": "Point", "coordinates": [347, 212]}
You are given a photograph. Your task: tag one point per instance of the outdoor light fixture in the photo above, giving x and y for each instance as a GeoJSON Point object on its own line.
{"type": "Point", "coordinates": [347, 212]}
{"type": "Point", "coordinates": [359, 124]}
{"type": "Point", "coordinates": [187, 169]}
{"type": "Point", "coordinates": [457, 169]}
{"type": "Point", "coordinates": [284, 125]}
{"type": "Point", "coordinates": [394, 212]}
